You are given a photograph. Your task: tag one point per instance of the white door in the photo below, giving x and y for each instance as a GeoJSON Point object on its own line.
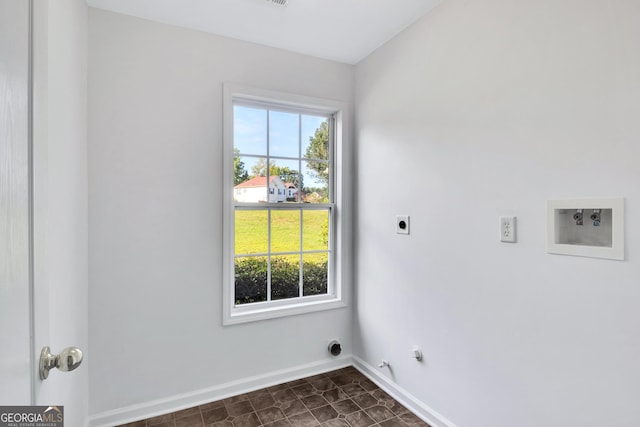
{"type": "Point", "coordinates": [15, 276]}
{"type": "Point", "coordinates": [43, 215]}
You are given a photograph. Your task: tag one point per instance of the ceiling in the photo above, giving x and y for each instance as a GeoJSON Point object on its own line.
{"type": "Point", "coordinates": [341, 30]}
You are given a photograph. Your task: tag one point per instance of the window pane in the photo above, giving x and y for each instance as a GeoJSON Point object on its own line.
{"type": "Point", "coordinates": [285, 277]}
{"type": "Point", "coordinates": [288, 173]}
{"type": "Point", "coordinates": [284, 134]}
{"type": "Point", "coordinates": [252, 190]}
{"type": "Point", "coordinates": [285, 231]}
{"type": "Point", "coordinates": [251, 232]}
{"type": "Point", "coordinates": [314, 274]}
{"type": "Point", "coordinates": [316, 182]}
{"type": "Point", "coordinates": [315, 138]}
{"type": "Point", "coordinates": [315, 230]}
{"type": "Point", "coordinates": [241, 167]}
{"type": "Point", "coordinates": [255, 166]}
{"type": "Point", "coordinates": [250, 130]}
{"type": "Point", "coordinates": [250, 279]}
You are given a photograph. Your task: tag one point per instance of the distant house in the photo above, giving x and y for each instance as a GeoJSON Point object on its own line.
{"type": "Point", "coordinates": [255, 190]}
{"type": "Point", "coordinates": [292, 192]}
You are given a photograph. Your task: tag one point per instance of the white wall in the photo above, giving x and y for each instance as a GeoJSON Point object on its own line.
{"type": "Point", "coordinates": [484, 109]}
{"type": "Point", "coordinates": [61, 198]}
{"type": "Point", "coordinates": [155, 214]}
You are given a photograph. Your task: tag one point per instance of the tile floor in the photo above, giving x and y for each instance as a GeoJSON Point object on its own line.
{"type": "Point", "coordinates": [342, 398]}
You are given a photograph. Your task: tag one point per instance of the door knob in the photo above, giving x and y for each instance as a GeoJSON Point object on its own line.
{"type": "Point", "coordinates": [68, 360]}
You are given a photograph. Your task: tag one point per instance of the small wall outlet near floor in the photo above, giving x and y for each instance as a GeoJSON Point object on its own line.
{"type": "Point", "coordinates": [402, 224]}
{"type": "Point", "coordinates": [508, 229]}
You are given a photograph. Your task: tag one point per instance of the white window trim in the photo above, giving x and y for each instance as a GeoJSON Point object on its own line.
{"type": "Point", "coordinates": [339, 298]}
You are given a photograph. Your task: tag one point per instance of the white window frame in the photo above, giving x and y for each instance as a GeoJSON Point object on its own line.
{"type": "Point", "coordinates": [339, 276]}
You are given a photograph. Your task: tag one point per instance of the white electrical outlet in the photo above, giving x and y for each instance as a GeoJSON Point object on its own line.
{"type": "Point", "coordinates": [402, 224]}
{"type": "Point", "coordinates": [508, 229]}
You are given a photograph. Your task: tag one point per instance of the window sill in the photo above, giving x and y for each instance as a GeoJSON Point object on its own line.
{"type": "Point", "coordinates": [263, 311]}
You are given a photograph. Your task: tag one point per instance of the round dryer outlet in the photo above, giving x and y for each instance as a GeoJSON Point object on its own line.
{"type": "Point", "coordinates": [334, 348]}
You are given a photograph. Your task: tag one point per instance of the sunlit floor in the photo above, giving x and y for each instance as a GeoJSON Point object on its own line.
{"type": "Point", "coordinates": [342, 398]}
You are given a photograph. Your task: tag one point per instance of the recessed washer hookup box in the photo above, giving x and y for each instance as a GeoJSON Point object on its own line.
{"type": "Point", "coordinates": [586, 227]}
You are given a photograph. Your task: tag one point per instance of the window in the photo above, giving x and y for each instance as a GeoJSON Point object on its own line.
{"type": "Point", "coordinates": [283, 244]}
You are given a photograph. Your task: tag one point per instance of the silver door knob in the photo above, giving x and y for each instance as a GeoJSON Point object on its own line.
{"type": "Point", "coordinates": [68, 360]}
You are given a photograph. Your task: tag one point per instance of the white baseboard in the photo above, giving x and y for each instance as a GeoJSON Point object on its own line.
{"type": "Point", "coordinates": [401, 395]}
{"type": "Point", "coordinates": [222, 391]}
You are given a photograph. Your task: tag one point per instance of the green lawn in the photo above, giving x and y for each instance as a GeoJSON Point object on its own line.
{"type": "Point", "coordinates": [251, 231]}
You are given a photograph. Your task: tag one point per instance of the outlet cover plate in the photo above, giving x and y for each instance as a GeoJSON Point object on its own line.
{"type": "Point", "coordinates": [508, 229]}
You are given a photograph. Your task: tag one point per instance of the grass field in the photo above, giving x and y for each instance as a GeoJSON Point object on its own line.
{"type": "Point", "coordinates": [251, 231]}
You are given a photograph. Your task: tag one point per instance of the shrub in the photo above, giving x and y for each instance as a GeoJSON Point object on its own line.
{"type": "Point", "coordinates": [251, 279]}
{"type": "Point", "coordinates": [315, 278]}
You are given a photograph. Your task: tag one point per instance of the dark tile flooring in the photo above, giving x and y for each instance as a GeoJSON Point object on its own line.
{"type": "Point", "coordinates": [342, 398]}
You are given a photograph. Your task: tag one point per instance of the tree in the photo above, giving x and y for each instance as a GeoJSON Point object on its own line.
{"type": "Point", "coordinates": [287, 174]}
{"type": "Point", "coordinates": [319, 149]}
{"type": "Point", "coordinates": [260, 168]}
{"type": "Point", "coordinates": [240, 175]}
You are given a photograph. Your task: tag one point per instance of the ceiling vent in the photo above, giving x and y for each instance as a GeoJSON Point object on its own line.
{"type": "Point", "coordinates": [279, 2]}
